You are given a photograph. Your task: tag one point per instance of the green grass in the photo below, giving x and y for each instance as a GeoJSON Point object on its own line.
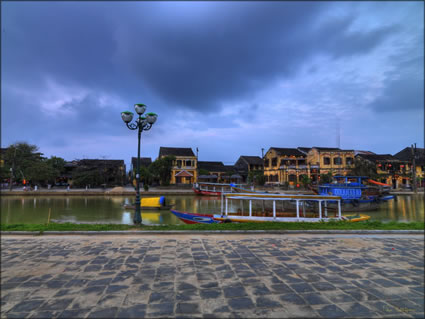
{"type": "Point", "coordinates": [337, 225]}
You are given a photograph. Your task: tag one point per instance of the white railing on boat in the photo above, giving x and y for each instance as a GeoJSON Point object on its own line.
{"type": "Point", "coordinates": [215, 187]}
{"type": "Point", "coordinates": [299, 199]}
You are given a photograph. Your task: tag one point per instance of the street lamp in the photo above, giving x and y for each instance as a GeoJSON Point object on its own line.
{"type": "Point", "coordinates": [142, 123]}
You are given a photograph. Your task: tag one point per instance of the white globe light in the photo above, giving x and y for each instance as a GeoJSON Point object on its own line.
{"type": "Point", "coordinates": [140, 108]}
{"type": "Point", "coordinates": [151, 118]}
{"type": "Point", "coordinates": [127, 116]}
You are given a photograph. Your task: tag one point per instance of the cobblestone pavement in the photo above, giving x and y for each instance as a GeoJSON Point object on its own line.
{"type": "Point", "coordinates": [212, 276]}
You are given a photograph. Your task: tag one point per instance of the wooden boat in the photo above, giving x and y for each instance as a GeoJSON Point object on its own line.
{"type": "Point", "coordinates": [151, 203]}
{"type": "Point", "coordinates": [356, 218]}
{"type": "Point", "coordinates": [300, 214]}
{"type": "Point", "coordinates": [355, 195]}
{"type": "Point", "coordinates": [216, 189]}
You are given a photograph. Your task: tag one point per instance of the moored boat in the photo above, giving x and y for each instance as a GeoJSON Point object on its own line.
{"type": "Point", "coordinates": [259, 211]}
{"type": "Point", "coordinates": [216, 189]}
{"type": "Point", "coordinates": [356, 196]}
{"type": "Point", "coordinates": [151, 203]}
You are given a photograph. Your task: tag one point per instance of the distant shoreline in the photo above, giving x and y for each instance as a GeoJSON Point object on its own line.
{"type": "Point", "coordinates": [152, 192]}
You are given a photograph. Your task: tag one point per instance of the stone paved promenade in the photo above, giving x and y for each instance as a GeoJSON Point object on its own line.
{"type": "Point", "coordinates": [212, 276]}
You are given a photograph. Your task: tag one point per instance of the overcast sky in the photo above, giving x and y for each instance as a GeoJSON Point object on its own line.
{"type": "Point", "coordinates": [227, 77]}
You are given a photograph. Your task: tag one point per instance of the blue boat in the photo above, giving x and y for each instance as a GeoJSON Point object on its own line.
{"type": "Point", "coordinates": [190, 218]}
{"type": "Point", "coordinates": [355, 195]}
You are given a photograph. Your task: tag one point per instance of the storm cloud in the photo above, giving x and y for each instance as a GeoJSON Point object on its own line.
{"type": "Point", "coordinates": [277, 72]}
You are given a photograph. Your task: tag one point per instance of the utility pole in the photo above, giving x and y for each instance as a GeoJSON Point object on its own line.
{"type": "Point", "coordinates": [414, 167]}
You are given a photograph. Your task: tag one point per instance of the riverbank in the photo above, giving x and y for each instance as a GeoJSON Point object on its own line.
{"type": "Point", "coordinates": [153, 191]}
{"type": "Point", "coordinates": [280, 226]}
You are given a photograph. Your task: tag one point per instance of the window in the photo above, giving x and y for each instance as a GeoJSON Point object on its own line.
{"type": "Point", "coordinates": [188, 163]}
{"type": "Point", "coordinates": [326, 160]}
{"type": "Point", "coordinates": [266, 163]}
{"type": "Point", "coordinates": [179, 163]}
{"type": "Point", "coordinates": [282, 162]}
{"type": "Point", "coordinates": [337, 160]}
{"type": "Point", "coordinates": [349, 161]}
{"type": "Point", "coordinates": [274, 161]}
{"type": "Point", "coordinates": [292, 178]}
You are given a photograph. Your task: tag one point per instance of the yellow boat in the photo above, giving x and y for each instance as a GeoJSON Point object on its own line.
{"type": "Point", "coordinates": [151, 203]}
{"type": "Point", "coordinates": [355, 218]}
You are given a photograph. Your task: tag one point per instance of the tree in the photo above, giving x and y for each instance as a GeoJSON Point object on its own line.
{"type": "Point", "coordinates": [364, 168]}
{"type": "Point", "coordinates": [25, 162]}
{"type": "Point", "coordinates": [82, 177]}
{"type": "Point", "coordinates": [145, 175]}
{"type": "Point", "coordinates": [305, 180]}
{"type": "Point", "coordinates": [57, 163]}
{"type": "Point", "coordinates": [161, 169]}
{"type": "Point", "coordinates": [257, 177]}
{"type": "Point", "coordinates": [326, 178]}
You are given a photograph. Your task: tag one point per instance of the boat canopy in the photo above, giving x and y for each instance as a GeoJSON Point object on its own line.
{"type": "Point", "coordinates": [154, 202]}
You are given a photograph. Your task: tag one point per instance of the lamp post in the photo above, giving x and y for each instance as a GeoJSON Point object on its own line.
{"type": "Point", "coordinates": [142, 123]}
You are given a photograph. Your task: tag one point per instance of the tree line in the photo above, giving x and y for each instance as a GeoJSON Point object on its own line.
{"type": "Point", "coordinates": [24, 165]}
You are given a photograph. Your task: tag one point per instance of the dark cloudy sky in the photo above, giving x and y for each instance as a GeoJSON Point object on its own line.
{"type": "Point", "coordinates": [227, 77]}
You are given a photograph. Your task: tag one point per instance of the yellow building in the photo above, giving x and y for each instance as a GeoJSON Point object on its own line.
{"type": "Point", "coordinates": [184, 169]}
{"type": "Point", "coordinates": [406, 155]}
{"type": "Point", "coordinates": [328, 159]}
{"type": "Point", "coordinates": [284, 165]}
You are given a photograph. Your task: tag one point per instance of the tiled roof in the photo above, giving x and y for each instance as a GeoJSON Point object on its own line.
{"type": "Point", "coordinates": [255, 160]}
{"type": "Point", "coordinates": [378, 157]}
{"type": "Point", "coordinates": [331, 149]}
{"type": "Point", "coordinates": [304, 149]}
{"type": "Point", "coordinates": [144, 161]}
{"type": "Point", "coordinates": [287, 151]}
{"type": "Point", "coordinates": [229, 168]}
{"type": "Point", "coordinates": [363, 152]}
{"type": "Point", "coordinates": [211, 166]}
{"type": "Point", "coordinates": [406, 155]}
{"type": "Point", "coordinates": [99, 162]}
{"type": "Point", "coordinates": [176, 151]}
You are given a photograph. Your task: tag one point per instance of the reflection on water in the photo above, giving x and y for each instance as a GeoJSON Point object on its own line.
{"type": "Point", "coordinates": [104, 209]}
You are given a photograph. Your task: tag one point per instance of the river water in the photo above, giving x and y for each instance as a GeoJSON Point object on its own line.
{"type": "Point", "coordinates": [109, 209]}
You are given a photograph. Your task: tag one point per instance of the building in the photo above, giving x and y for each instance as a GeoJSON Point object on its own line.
{"type": "Point", "coordinates": [391, 170]}
{"type": "Point", "coordinates": [329, 159]}
{"type": "Point", "coordinates": [144, 161]}
{"type": "Point", "coordinates": [98, 172]}
{"type": "Point", "coordinates": [284, 165]}
{"type": "Point", "coordinates": [184, 170]}
{"type": "Point", "coordinates": [210, 172]}
{"type": "Point", "coordinates": [231, 175]}
{"type": "Point", "coordinates": [246, 164]}
{"type": "Point", "coordinates": [406, 155]}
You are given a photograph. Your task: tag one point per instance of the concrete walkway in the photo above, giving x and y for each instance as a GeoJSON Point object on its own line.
{"type": "Point", "coordinates": [212, 276]}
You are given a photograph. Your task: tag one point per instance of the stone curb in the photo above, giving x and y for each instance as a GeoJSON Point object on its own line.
{"type": "Point", "coordinates": [215, 232]}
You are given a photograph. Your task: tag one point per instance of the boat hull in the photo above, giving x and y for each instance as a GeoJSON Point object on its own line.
{"type": "Point", "coordinates": [148, 207]}
{"type": "Point", "coordinates": [191, 218]}
{"type": "Point", "coordinates": [206, 193]}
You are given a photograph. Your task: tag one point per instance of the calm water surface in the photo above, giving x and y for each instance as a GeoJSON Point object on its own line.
{"type": "Point", "coordinates": [109, 209]}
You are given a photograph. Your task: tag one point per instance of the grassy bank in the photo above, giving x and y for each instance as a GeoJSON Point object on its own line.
{"type": "Point", "coordinates": [338, 225]}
